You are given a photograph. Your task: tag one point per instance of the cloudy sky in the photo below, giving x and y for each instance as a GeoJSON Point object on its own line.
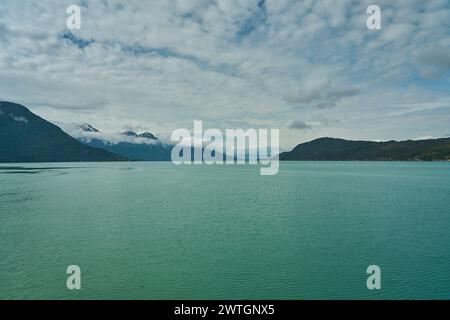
{"type": "Point", "coordinates": [309, 68]}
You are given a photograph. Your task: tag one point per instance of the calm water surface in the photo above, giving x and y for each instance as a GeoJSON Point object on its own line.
{"type": "Point", "coordinates": [159, 231]}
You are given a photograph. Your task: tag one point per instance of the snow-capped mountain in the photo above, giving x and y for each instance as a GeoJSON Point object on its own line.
{"type": "Point", "coordinates": [148, 135]}
{"type": "Point", "coordinates": [144, 146]}
{"type": "Point", "coordinates": [70, 127]}
{"type": "Point", "coordinates": [86, 132]}
{"type": "Point", "coordinates": [130, 134]}
{"type": "Point", "coordinates": [26, 137]}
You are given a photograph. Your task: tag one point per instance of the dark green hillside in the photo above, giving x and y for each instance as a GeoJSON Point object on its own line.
{"type": "Point", "coordinates": [25, 137]}
{"type": "Point", "coordinates": [342, 150]}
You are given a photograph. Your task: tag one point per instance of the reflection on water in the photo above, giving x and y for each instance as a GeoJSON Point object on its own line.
{"type": "Point", "coordinates": [34, 168]}
{"type": "Point", "coordinates": [25, 172]}
{"type": "Point", "coordinates": [29, 170]}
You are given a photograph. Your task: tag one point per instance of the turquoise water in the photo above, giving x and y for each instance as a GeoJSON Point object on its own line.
{"type": "Point", "coordinates": [159, 231]}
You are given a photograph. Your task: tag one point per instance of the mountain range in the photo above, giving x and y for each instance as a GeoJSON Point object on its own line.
{"type": "Point", "coordinates": [331, 149]}
{"type": "Point", "coordinates": [129, 144]}
{"type": "Point", "coordinates": [26, 137]}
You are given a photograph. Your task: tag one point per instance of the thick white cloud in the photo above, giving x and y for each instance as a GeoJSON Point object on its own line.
{"type": "Point", "coordinates": [160, 65]}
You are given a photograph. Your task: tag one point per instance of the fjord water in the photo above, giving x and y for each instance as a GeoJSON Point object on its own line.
{"type": "Point", "coordinates": [159, 231]}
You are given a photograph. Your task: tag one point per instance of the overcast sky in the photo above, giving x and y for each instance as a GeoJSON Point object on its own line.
{"type": "Point", "coordinates": [309, 68]}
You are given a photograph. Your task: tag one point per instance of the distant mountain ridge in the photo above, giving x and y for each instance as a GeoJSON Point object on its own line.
{"type": "Point", "coordinates": [130, 134]}
{"type": "Point", "coordinates": [25, 137]}
{"type": "Point", "coordinates": [143, 147]}
{"type": "Point", "coordinates": [331, 149]}
{"type": "Point", "coordinates": [147, 135]}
